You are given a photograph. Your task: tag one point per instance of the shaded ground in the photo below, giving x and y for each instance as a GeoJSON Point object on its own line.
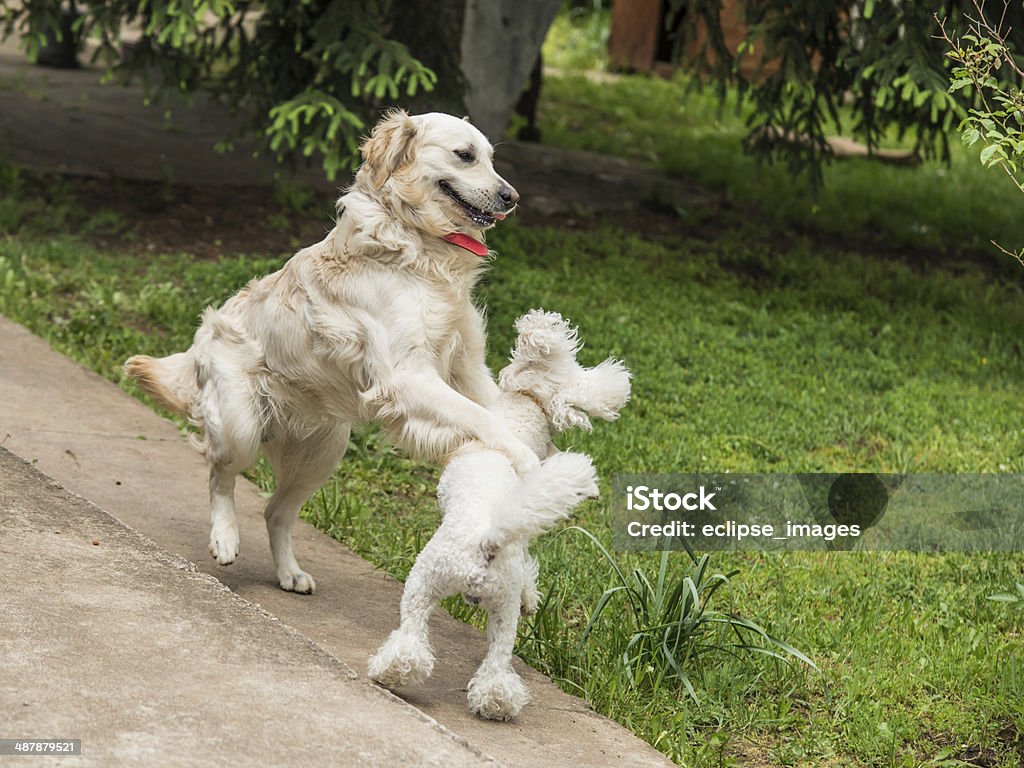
{"type": "Point", "coordinates": [136, 178]}
{"type": "Point", "coordinates": [211, 220]}
{"type": "Point", "coordinates": [206, 221]}
{"type": "Point", "coordinates": [158, 164]}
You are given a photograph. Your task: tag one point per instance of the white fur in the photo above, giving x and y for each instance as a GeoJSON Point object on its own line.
{"type": "Point", "coordinates": [490, 514]}
{"type": "Point", "coordinates": [375, 322]}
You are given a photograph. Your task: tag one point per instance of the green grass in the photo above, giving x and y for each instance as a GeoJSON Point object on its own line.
{"type": "Point", "coordinates": [690, 133]}
{"type": "Point", "coordinates": [578, 39]}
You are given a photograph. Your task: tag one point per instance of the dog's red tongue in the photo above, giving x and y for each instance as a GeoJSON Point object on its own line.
{"type": "Point", "coordinates": [471, 244]}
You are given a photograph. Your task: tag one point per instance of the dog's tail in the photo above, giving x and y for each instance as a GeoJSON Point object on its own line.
{"type": "Point", "coordinates": [170, 380]}
{"type": "Point", "coordinates": [544, 497]}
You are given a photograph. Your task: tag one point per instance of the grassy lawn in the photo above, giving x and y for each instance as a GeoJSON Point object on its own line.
{"type": "Point", "coordinates": [772, 335]}
{"type": "Point", "coordinates": [680, 129]}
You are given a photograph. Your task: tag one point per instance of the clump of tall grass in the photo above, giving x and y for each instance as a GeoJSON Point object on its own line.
{"type": "Point", "coordinates": [670, 626]}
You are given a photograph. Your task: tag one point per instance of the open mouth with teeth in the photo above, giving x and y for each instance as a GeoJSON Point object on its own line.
{"type": "Point", "coordinates": [477, 216]}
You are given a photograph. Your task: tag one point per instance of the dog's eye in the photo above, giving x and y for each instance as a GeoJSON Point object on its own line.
{"type": "Point", "coordinates": [464, 155]}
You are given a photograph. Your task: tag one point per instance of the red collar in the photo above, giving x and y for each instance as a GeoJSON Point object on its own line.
{"type": "Point", "coordinates": [471, 244]}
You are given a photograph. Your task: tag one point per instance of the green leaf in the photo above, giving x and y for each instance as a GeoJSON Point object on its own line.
{"type": "Point", "coordinates": [1003, 597]}
{"type": "Point", "coordinates": [970, 136]}
{"type": "Point", "coordinates": [989, 154]}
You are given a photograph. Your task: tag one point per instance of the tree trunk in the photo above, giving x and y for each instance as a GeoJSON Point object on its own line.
{"type": "Point", "coordinates": [482, 51]}
{"type": "Point", "coordinates": [501, 40]}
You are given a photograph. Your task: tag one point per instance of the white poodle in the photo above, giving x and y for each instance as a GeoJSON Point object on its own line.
{"type": "Point", "coordinates": [490, 515]}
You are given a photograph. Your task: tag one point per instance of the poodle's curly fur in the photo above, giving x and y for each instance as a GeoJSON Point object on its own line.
{"type": "Point", "coordinates": [490, 514]}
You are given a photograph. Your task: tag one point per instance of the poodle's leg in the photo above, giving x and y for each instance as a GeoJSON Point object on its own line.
{"type": "Point", "coordinates": [530, 598]}
{"type": "Point", "coordinates": [406, 657]}
{"type": "Point", "coordinates": [496, 692]}
{"type": "Point", "coordinates": [300, 467]}
{"type": "Point", "coordinates": [477, 567]}
{"type": "Point", "coordinates": [475, 584]}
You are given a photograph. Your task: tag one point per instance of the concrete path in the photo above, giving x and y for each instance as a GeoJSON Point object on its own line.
{"type": "Point", "coordinates": [112, 640]}
{"type": "Point", "coordinates": [109, 448]}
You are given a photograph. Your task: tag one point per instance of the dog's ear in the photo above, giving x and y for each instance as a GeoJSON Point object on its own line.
{"type": "Point", "coordinates": [543, 364]}
{"type": "Point", "coordinates": [389, 146]}
{"type": "Point", "coordinates": [545, 350]}
{"type": "Point", "coordinates": [545, 339]}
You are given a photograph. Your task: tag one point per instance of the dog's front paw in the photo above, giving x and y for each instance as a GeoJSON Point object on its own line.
{"type": "Point", "coordinates": [296, 581]}
{"type": "Point", "coordinates": [524, 461]}
{"type": "Point", "coordinates": [224, 542]}
{"type": "Point", "coordinates": [497, 696]}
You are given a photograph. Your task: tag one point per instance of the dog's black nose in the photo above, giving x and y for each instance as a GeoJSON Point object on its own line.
{"type": "Point", "coordinates": [508, 196]}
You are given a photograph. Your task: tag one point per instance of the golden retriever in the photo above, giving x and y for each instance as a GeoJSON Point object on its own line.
{"type": "Point", "coordinates": [374, 323]}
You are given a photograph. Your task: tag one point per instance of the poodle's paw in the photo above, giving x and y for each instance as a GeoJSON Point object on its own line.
{"type": "Point", "coordinates": [476, 576]}
{"type": "Point", "coordinates": [577, 474]}
{"type": "Point", "coordinates": [224, 542]}
{"type": "Point", "coordinates": [497, 696]}
{"type": "Point", "coordinates": [296, 581]}
{"type": "Point", "coordinates": [404, 659]}
{"type": "Point", "coordinates": [529, 602]}
{"type": "Point", "coordinates": [489, 551]}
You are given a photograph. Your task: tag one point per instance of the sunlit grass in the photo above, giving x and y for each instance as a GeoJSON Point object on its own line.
{"type": "Point", "coordinates": [668, 124]}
